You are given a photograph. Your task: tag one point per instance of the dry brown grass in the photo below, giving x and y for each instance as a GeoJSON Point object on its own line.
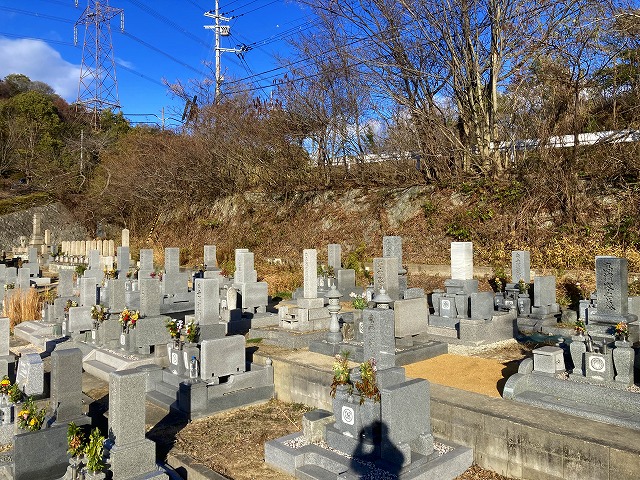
{"type": "Point", "coordinates": [236, 449]}
{"type": "Point", "coordinates": [21, 305]}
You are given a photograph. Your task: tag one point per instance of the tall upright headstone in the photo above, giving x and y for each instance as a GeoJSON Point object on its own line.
{"type": "Point", "coordinates": [392, 247]}
{"type": "Point", "coordinates": [146, 263]}
{"type": "Point", "coordinates": [462, 260]}
{"type": "Point", "coordinates": [334, 256]}
{"type": "Point", "coordinates": [23, 281]}
{"type": "Point", "coordinates": [6, 359]}
{"type": "Point", "coordinates": [123, 261]}
{"type": "Point", "coordinates": [66, 384]}
{"type": "Point", "coordinates": [125, 237]}
{"type": "Point", "coordinates": [207, 301]}
{"type": "Point", "coordinates": [131, 455]}
{"type": "Point", "coordinates": [210, 258]}
{"type": "Point", "coordinates": [33, 259]}
{"type": "Point", "coordinates": [150, 297]}
{"type": "Point", "coordinates": [520, 266]}
{"type": "Point", "coordinates": [612, 290]}
{"type": "Point", "coordinates": [378, 329]}
{"type": "Point", "coordinates": [88, 292]}
{"type": "Point", "coordinates": [544, 292]}
{"type": "Point", "coordinates": [65, 283]}
{"type": "Point", "coordinates": [310, 269]}
{"type": "Point", "coordinates": [245, 267]}
{"type": "Point", "coordinates": [172, 260]}
{"type": "Point", "coordinates": [116, 295]}
{"type": "Point", "coordinates": [37, 239]}
{"type": "Point", "coordinates": [385, 275]}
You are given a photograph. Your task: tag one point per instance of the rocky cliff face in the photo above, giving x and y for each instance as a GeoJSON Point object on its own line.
{"type": "Point", "coordinates": [55, 217]}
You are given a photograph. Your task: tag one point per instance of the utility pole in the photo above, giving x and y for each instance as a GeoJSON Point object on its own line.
{"type": "Point", "coordinates": [98, 87]}
{"type": "Point", "coordinates": [219, 30]}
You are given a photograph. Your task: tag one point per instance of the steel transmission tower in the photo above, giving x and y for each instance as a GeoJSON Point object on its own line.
{"type": "Point", "coordinates": [98, 87]}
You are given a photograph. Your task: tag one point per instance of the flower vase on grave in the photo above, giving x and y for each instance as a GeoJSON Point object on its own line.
{"type": "Point", "coordinates": [370, 415]}
{"type": "Point", "coordinates": [176, 362]}
{"type": "Point", "coordinates": [133, 345]}
{"type": "Point", "coordinates": [344, 410]}
{"type": "Point", "coordinates": [578, 348]}
{"type": "Point", "coordinates": [623, 362]}
{"type": "Point", "coordinates": [124, 339]}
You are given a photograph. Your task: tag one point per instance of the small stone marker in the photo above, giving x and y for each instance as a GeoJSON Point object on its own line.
{"type": "Point", "coordinates": [30, 375]}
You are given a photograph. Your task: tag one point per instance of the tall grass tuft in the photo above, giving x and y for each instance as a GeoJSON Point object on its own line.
{"type": "Point", "coordinates": [21, 305]}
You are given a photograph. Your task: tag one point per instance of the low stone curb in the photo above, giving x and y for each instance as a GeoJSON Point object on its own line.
{"type": "Point", "coordinates": [189, 469]}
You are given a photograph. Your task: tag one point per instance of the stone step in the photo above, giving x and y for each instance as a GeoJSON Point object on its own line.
{"type": "Point", "coordinates": [162, 400]}
{"type": "Point", "coordinates": [167, 389]}
{"type": "Point", "coordinates": [314, 472]}
{"type": "Point", "coordinates": [171, 379]}
{"type": "Point", "coordinates": [98, 369]}
{"type": "Point", "coordinates": [442, 331]}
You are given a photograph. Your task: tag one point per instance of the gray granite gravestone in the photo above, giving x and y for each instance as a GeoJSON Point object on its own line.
{"type": "Point", "coordinates": [222, 357]}
{"type": "Point", "coordinates": [66, 385]}
{"type": "Point", "coordinates": [150, 297]}
{"type": "Point", "coordinates": [334, 254]}
{"type": "Point", "coordinates": [30, 375]}
{"type": "Point", "coordinates": [88, 292]}
{"type": "Point", "coordinates": [520, 266]}
{"type": "Point", "coordinates": [146, 263]}
{"type": "Point", "coordinates": [210, 258]}
{"type": "Point", "coordinates": [207, 301]}
{"type": "Point", "coordinates": [385, 276]}
{"type": "Point", "coordinates": [124, 261]}
{"type": "Point", "coordinates": [131, 455]}
{"type": "Point", "coordinates": [65, 283]}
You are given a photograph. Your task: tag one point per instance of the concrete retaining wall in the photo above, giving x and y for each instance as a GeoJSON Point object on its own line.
{"type": "Point", "coordinates": [510, 438]}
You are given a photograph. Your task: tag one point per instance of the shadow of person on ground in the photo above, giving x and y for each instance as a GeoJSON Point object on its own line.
{"type": "Point", "coordinates": [364, 456]}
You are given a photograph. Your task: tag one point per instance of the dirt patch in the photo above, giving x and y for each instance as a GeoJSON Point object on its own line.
{"type": "Point", "coordinates": [232, 443]}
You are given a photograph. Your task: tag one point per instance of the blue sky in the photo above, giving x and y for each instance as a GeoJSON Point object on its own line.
{"type": "Point", "coordinates": [161, 39]}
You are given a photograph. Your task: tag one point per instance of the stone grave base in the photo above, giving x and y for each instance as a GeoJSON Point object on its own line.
{"type": "Point", "coordinates": [260, 320]}
{"type": "Point", "coordinates": [39, 333]}
{"type": "Point", "coordinates": [528, 324]}
{"type": "Point", "coordinates": [312, 461]}
{"type": "Point", "coordinates": [581, 398]}
{"type": "Point", "coordinates": [100, 362]}
{"type": "Point", "coordinates": [125, 463]}
{"type": "Point", "coordinates": [195, 399]}
{"type": "Point", "coordinates": [472, 332]}
{"type": "Point", "coordinates": [291, 339]}
{"type": "Point", "coordinates": [405, 354]}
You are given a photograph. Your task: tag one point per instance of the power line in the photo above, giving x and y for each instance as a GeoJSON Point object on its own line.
{"type": "Point", "coordinates": [179, 62]}
{"type": "Point", "coordinates": [37, 14]}
{"type": "Point", "coordinates": [253, 10]}
{"type": "Point", "coordinates": [169, 22]}
{"type": "Point", "coordinates": [22, 37]}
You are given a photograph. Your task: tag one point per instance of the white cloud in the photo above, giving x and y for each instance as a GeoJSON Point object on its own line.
{"type": "Point", "coordinates": [39, 62]}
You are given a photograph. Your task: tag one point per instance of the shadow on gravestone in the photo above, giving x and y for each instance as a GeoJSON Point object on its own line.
{"type": "Point", "coordinates": [359, 456]}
